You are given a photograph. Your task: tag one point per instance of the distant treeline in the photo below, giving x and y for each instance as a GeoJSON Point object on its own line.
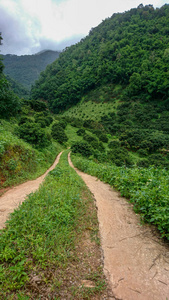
{"type": "Point", "coordinates": [25, 69]}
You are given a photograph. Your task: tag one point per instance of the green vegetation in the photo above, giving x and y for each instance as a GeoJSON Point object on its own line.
{"type": "Point", "coordinates": [58, 133]}
{"type": "Point", "coordinates": [18, 88]}
{"type": "Point", "coordinates": [108, 96]}
{"type": "Point", "coordinates": [25, 69]}
{"type": "Point", "coordinates": [9, 102]}
{"type": "Point", "coordinates": [19, 161]}
{"type": "Point", "coordinates": [129, 49]}
{"type": "Point", "coordinates": [42, 239]}
{"type": "Point", "coordinates": [147, 189]}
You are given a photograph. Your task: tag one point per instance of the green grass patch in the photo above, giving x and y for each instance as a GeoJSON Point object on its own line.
{"type": "Point", "coordinates": [90, 110]}
{"type": "Point", "coordinates": [72, 135]}
{"type": "Point", "coordinates": [40, 249]}
{"type": "Point", "coordinates": [146, 188]}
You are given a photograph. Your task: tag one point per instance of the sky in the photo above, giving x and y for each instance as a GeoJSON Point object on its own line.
{"type": "Point", "coordinates": [30, 26]}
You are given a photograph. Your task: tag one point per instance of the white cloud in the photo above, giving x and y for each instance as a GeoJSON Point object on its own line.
{"type": "Point", "coordinates": [28, 25]}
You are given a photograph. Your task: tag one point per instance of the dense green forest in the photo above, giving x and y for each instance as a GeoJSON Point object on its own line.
{"type": "Point", "coordinates": [25, 69]}
{"type": "Point", "coordinates": [130, 48]}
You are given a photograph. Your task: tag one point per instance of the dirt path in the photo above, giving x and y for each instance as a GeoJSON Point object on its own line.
{"type": "Point", "coordinates": [13, 197]}
{"type": "Point", "coordinates": [136, 262]}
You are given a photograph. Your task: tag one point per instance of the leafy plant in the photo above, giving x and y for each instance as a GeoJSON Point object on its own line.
{"type": "Point", "coordinates": [33, 133]}
{"type": "Point", "coordinates": [146, 188]}
{"type": "Point", "coordinates": [58, 133]}
{"type": "Point", "coordinates": [82, 147]}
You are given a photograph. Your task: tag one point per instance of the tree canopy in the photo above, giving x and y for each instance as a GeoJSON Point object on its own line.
{"type": "Point", "coordinates": [130, 48]}
{"type": "Point", "coordinates": [9, 102]}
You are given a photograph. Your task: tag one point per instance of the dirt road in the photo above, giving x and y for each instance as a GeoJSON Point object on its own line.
{"type": "Point", "coordinates": [136, 261]}
{"type": "Point", "coordinates": [13, 197]}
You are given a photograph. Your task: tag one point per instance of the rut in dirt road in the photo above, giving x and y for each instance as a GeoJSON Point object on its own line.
{"type": "Point", "coordinates": [15, 196]}
{"type": "Point", "coordinates": [136, 261]}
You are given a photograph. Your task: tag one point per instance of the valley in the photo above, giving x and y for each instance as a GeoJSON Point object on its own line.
{"type": "Point", "coordinates": [106, 99]}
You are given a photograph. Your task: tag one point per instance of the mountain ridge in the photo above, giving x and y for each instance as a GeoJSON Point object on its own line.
{"type": "Point", "coordinates": [25, 69]}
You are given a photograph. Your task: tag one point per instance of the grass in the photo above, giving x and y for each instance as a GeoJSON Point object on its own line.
{"type": "Point", "coordinates": [50, 243]}
{"type": "Point", "coordinates": [97, 103]}
{"type": "Point", "coordinates": [89, 110]}
{"type": "Point", "coordinates": [72, 135]}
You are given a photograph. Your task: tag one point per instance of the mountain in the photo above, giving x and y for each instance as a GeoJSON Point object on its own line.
{"type": "Point", "coordinates": [25, 69]}
{"type": "Point", "coordinates": [131, 49]}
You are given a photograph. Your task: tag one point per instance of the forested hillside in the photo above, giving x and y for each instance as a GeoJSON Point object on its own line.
{"type": "Point", "coordinates": [131, 49]}
{"type": "Point", "coordinates": [25, 69]}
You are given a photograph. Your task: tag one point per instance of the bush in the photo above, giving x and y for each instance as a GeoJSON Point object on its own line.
{"type": "Point", "coordinates": [32, 133]}
{"type": "Point", "coordinates": [101, 147]}
{"type": "Point", "coordinates": [103, 138]}
{"type": "Point", "coordinates": [38, 105]}
{"type": "Point", "coordinates": [24, 119]}
{"type": "Point", "coordinates": [58, 133]}
{"type": "Point", "coordinates": [119, 157]}
{"type": "Point", "coordinates": [142, 152]}
{"type": "Point", "coordinates": [42, 122]}
{"type": "Point", "coordinates": [9, 103]}
{"type": "Point", "coordinates": [89, 138]}
{"type": "Point", "coordinates": [82, 147]}
{"type": "Point", "coordinates": [143, 163]}
{"type": "Point", "coordinates": [63, 123]}
{"type": "Point", "coordinates": [80, 132]}
{"type": "Point", "coordinates": [43, 119]}
{"type": "Point", "coordinates": [114, 144]}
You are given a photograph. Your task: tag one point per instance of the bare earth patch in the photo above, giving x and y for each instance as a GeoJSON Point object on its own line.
{"type": "Point", "coordinates": [136, 261]}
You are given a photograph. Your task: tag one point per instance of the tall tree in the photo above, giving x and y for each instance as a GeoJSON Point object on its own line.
{"type": "Point", "coordinates": [9, 102]}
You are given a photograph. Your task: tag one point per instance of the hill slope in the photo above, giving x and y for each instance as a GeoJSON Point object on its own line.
{"type": "Point", "coordinates": [130, 48]}
{"type": "Point", "coordinates": [26, 68]}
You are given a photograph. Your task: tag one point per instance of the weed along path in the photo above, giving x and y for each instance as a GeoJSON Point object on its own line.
{"type": "Point", "coordinates": [13, 197]}
{"type": "Point", "coordinates": [136, 262]}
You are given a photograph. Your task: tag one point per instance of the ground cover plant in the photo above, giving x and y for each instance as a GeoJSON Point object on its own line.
{"type": "Point", "coordinates": [50, 244]}
{"type": "Point", "coordinates": [19, 161]}
{"type": "Point", "coordinates": [146, 188]}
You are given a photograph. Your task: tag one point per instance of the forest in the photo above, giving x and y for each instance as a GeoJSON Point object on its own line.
{"type": "Point", "coordinates": [131, 49]}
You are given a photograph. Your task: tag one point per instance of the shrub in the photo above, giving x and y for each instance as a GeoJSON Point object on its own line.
{"type": "Point", "coordinates": [143, 163]}
{"type": "Point", "coordinates": [103, 138]}
{"type": "Point", "coordinates": [120, 157]}
{"type": "Point", "coordinates": [101, 147]}
{"type": "Point", "coordinates": [82, 147]}
{"type": "Point", "coordinates": [10, 104]}
{"type": "Point", "coordinates": [142, 152]}
{"type": "Point", "coordinates": [42, 122]}
{"type": "Point", "coordinates": [24, 119]}
{"type": "Point", "coordinates": [63, 123]}
{"type": "Point", "coordinates": [80, 131]}
{"type": "Point", "coordinates": [32, 133]}
{"type": "Point", "coordinates": [38, 105]}
{"type": "Point", "coordinates": [58, 133]}
{"type": "Point", "coordinates": [114, 144]}
{"type": "Point", "coordinates": [89, 138]}
{"type": "Point", "coordinates": [43, 119]}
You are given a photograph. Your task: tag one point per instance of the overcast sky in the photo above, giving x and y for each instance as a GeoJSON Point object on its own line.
{"type": "Point", "coordinates": [29, 26]}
